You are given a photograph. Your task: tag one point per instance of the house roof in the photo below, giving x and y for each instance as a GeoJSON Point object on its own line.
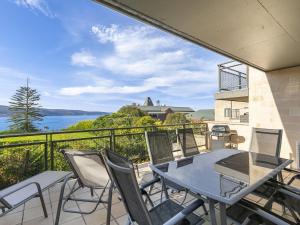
{"type": "Point", "coordinates": [264, 34]}
{"type": "Point", "coordinates": [160, 109]}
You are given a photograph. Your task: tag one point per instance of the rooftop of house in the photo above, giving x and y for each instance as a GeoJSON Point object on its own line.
{"type": "Point", "coordinates": [149, 107]}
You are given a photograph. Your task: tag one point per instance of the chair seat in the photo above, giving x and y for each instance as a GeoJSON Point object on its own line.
{"type": "Point", "coordinates": [167, 209]}
{"type": "Point", "coordinates": [239, 214]}
{"type": "Point", "coordinates": [45, 179]}
{"type": "Point", "coordinates": [264, 191]}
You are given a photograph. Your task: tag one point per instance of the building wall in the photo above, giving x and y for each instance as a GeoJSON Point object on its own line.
{"type": "Point", "coordinates": [220, 105]}
{"type": "Point", "coordinates": [274, 102]}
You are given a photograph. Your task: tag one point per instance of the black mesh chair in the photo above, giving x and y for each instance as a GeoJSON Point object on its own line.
{"type": "Point", "coordinates": [160, 151]}
{"type": "Point", "coordinates": [247, 213]}
{"type": "Point", "coordinates": [288, 197]}
{"type": "Point", "coordinates": [159, 147]}
{"type": "Point", "coordinates": [167, 212]}
{"type": "Point", "coordinates": [266, 141]}
{"type": "Point", "coordinates": [187, 142]}
{"type": "Point", "coordinates": [89, 172]}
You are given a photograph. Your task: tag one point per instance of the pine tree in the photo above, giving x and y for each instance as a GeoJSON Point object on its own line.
{"type": "Point", "coordinates": [25, 109]}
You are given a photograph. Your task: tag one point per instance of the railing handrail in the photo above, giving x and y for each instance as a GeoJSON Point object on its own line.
{"type": "Point", "coordinates": [93, 130]}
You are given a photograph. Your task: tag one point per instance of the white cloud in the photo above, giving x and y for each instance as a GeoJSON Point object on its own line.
{"type": "Point", "coordinates": [83, 58]}
{"type": "Point", "coordinates": [144, 60]}
{"type": "Point", "coordinates": [184, 83]}
{"type": "Point", "coordinates": [37, 5]}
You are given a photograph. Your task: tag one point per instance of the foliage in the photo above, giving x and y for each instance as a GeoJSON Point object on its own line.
{"type": "Point", "coordinates": [25, 109]}
{"type": "Point", "coordinates": [16, 164]}
{"type": "Point", "coordinates": [23, 163]}
{"type": "Point", "coordinates": [82, 125]}
{"type": "Point", "coordinates": [131, 110]}
{"type": "Point", "coordinates": [175, 118]}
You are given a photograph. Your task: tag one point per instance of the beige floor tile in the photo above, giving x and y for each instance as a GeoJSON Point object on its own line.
{"type": "Point", "coordinates": [118, 210]}
{"type": "Point", "coordinates": [41, 220]}
{"type": "Point", "coordinates": [36, 212]}
{"type": "Point", "coordinates": [96, 218]}
{"type": "Point", "coordinates": [77, 221]}
{"type": "Point", "coordinates": [11, 219]}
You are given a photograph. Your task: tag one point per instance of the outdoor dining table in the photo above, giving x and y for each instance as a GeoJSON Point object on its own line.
{"type": "Point", "coordinates": [223, 176]}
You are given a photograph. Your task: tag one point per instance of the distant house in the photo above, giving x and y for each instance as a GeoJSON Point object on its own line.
{"type": "Point", "coordinates": [161, 111]}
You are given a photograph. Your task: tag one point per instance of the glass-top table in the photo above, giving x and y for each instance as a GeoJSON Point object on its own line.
{"type": "Point", "coordinates": [223, 176]}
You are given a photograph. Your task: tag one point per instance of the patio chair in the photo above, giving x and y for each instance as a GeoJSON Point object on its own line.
{"type": "Point", "coordinates": [20, 193]}
{"type": "Point", "coordinates": [248, 213]}
{"type": "Point", "coordinates": [89, 172]}
{"type": "Point", "coordinates": [268, 142]}
{"type": "Point", "coordinates": [160, 151]}
{"type": "Point", "coordinates": [286, 196]}
{"type": "Point", "coordinates": [187, 142]}
{"type": "Point", "coordinates": [167, 212]}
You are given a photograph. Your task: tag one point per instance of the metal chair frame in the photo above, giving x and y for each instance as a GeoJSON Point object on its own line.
{"type": "Point", "coordinates": [63, 200]}
{"type": "Point", "coordinates": [176, 219]}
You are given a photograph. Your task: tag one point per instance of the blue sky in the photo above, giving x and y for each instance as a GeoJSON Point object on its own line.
{"type": "Point", "coordinates": [81, 55]}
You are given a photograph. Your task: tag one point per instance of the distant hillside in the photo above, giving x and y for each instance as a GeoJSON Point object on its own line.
{"type": "Point", "coordinates": [55, 112]}
{"type": "Point", "coordinates": [205, 114]}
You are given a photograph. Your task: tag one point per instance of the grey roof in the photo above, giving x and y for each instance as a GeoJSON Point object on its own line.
{"type": "Point", "coordinates": [159, 109]}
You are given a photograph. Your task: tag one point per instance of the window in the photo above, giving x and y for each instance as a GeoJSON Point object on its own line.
{"type": "Point", "coordinates": [232, 113]}
{"type": "Point", "coordinates": [227, 112]}
{"type": "Point", "coordinates": [235, 113]}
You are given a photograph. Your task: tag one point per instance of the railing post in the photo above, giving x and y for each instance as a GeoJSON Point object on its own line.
{"type": "Point", "coordinates": [240, 81]}
{"type": "Point", "coordinates": [112, 140]}
{"type": "Point", "coordinates": [206, 136]}
{"type": "Point", "coordinates": [184, 138]}
{"type": "Point", "coordinates": [219, 71]}
{"type": "Point", "coordinates": [46, 152]}
{"type": "Point", "coordinates": [51, 153]}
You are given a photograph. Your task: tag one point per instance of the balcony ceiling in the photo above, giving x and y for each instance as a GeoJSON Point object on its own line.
{"type": "Point", "coordinates": [264, 33]}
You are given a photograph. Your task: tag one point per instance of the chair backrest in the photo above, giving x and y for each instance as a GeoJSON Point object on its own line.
{"type": "Point", "coordinates": [266, 141]}
{"type": "Point", "coordinates": [159, 146]}
{"type": "Point", "coordinates": [88, 167]}
{"type": "Point", "coordinates": [187, 142]}
{"type": "Point", "coordinates": [123, 175]}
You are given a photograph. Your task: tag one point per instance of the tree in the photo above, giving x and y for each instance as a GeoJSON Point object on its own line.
{"type": "Point", "coordinates": [25, 109]}
{"type": "Point", "coordinates": [131, 110]}
{"type": "Point", "coordinates": [175, 118]}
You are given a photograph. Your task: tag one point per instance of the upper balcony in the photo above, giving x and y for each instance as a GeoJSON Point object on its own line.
{"type": "Point", "coordinates": [233, 82]}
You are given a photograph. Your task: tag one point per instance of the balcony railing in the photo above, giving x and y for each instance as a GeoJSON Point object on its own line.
{"type": "Point", "coordinates": [24, 155]}
{"type": "Point", "coordinates": [232, 76]}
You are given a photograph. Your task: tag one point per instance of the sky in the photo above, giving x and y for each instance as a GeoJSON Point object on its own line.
{"type": "Point", "coordinates": [82, 55]}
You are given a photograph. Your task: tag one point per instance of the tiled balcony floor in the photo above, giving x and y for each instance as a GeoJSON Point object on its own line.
{"type": "Point", "coordinates": [31, 213]}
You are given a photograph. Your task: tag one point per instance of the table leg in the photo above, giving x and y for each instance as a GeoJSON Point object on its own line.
{"type": "Point", "coordinates": [212, 212]}
{"type": "Point", "coordinates": [223, 213]}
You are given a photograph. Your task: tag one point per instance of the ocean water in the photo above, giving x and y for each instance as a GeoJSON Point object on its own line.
{"type": "Point", "coordinates": [53, 122]}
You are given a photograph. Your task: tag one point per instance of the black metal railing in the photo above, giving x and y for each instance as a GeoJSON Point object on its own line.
{"type": "Point", "coordinates": [232, 76]}
{"type": "Point", "coordinates": [24, 155]}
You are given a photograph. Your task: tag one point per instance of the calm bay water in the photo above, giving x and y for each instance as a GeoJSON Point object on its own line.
{"type": "Point", "coordinates": [53, 122]}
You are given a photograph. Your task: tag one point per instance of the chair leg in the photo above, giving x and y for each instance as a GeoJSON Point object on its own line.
{"type": "Point", "coordinates": [204, 209]}
{"type": "Point", "coordinates": [42, 201]}
{"type": "Point", "coordinates": [92, 192]}
{"type": "Point", "coordinates": [61, 196]}
{"type": "Point", "coordinates": [109, 203]}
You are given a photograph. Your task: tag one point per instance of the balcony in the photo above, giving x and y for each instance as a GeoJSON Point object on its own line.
{"type": "Point", "coordinates": [233, 82]}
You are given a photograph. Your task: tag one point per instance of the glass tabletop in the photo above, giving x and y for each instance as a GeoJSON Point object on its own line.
{"type": "Point", "coordinates": [225, 175]}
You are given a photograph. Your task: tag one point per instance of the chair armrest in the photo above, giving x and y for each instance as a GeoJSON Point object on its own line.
{"type": "Point", "coordinates": [149, 183]}
{"type": "Point", "coordinates": [21, 187]}
{"type": "Point", "coordinates": [263, 212]}
{"type": "Point", "coordinates": [185, 212]}
{"type": "Point", "coordinates": [292, 170]}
